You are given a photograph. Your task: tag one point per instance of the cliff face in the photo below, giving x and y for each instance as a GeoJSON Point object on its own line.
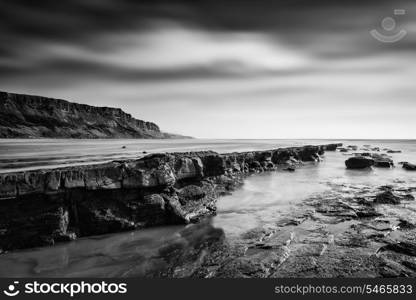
{"type": "Point", "coordinates": [47, 206]}
{"type": "Point", "coordinates": [25, 116]}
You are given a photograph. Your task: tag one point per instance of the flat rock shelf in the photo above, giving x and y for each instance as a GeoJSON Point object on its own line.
{"type": "Point", "coordinates": [43, 207]}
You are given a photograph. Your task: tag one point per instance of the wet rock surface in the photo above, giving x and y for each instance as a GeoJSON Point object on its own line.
{"type": "Point", "coordinates": [409, 166]}
{"type": "Point", "coordinates": [39, 208]}
{"type": "Point", "coordinates": [344, 232]}
{"type": "Point", "coordinates": [359, 162]}
{"type": "Point", "coordinates": [28, 116]}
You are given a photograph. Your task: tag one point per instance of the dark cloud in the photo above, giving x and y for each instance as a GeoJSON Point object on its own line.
{"type": "Point", "coordinates": [325, 28]}
{"type": "Point", "coordinates": [77, 18]}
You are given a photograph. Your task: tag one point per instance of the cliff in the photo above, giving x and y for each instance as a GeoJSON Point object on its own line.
{"type": "Point", "coordinates": [42, 207]}
{"type": "Point", "coordinates": [26, 116]}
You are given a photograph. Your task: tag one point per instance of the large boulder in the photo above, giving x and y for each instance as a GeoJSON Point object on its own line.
{"type": "Point", "coordinates": [359, 162]}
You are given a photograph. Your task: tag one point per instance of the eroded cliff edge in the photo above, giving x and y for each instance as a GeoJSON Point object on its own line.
{"type": "Point", "coordinates": [42, 207]}
{"type": "Point", "coordinates": [28, 116]}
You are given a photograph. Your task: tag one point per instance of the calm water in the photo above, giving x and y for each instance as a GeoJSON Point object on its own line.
{"type": "Point", "coordinates": [263, 200]}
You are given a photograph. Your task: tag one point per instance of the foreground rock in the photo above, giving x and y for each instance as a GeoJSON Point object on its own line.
{"type": "Point", "coordinates": [47, 206]}
{"type": "Point", "coordinates": [359, 162]}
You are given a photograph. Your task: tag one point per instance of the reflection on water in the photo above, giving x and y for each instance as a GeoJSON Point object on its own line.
{"type": "Point", "coordinates": [263, 200]}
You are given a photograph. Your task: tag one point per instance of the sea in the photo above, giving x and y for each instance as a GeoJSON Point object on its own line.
{"type": "Point", "coordinates": [262, 200]}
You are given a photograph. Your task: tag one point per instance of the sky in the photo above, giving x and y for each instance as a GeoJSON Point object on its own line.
{"type": "Point", "coordinates": [222, 69]}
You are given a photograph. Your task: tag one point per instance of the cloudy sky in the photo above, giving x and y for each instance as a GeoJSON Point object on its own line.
{"type": "Point", "coordinates": [221, 69]}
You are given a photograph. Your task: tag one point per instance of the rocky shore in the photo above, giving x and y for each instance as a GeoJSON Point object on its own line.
{"type": "Point", "coordinates": [29, 116]}
{"type": "Point", "coordinates": [350, 231]}
{"type": "Point", "coordinates": [42, 207]}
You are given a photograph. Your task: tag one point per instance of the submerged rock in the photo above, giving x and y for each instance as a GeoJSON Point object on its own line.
{"type": "Point", "coordinates": [359, 162]}
{"type": "Point", "coordinates": [184, 255]}
{"type": "Point", "coordinates": [387, 197]}
{"type": "Point", "coordinates": [409, 197]}
{"type": "Point", "coordinates": [405, 224]}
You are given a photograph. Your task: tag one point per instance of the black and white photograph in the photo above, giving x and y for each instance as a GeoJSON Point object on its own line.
{"type": "Point", "coordinates": [204, 139]}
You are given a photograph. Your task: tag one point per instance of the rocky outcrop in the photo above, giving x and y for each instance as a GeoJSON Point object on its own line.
{"type": "Point", "coordinates": [342, 232]}
{"type": "Point", "coordinates": [359, 162]}
{"type": "Point", "coordinates": [26, 116]}
{"type": "Point", "coordinates": [46, 206]}
{"type": "Point", "coordinates": [409, 166]}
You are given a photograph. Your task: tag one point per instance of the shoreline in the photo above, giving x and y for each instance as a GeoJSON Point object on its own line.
{"type": "Point", "coordinates": [43, 207]}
